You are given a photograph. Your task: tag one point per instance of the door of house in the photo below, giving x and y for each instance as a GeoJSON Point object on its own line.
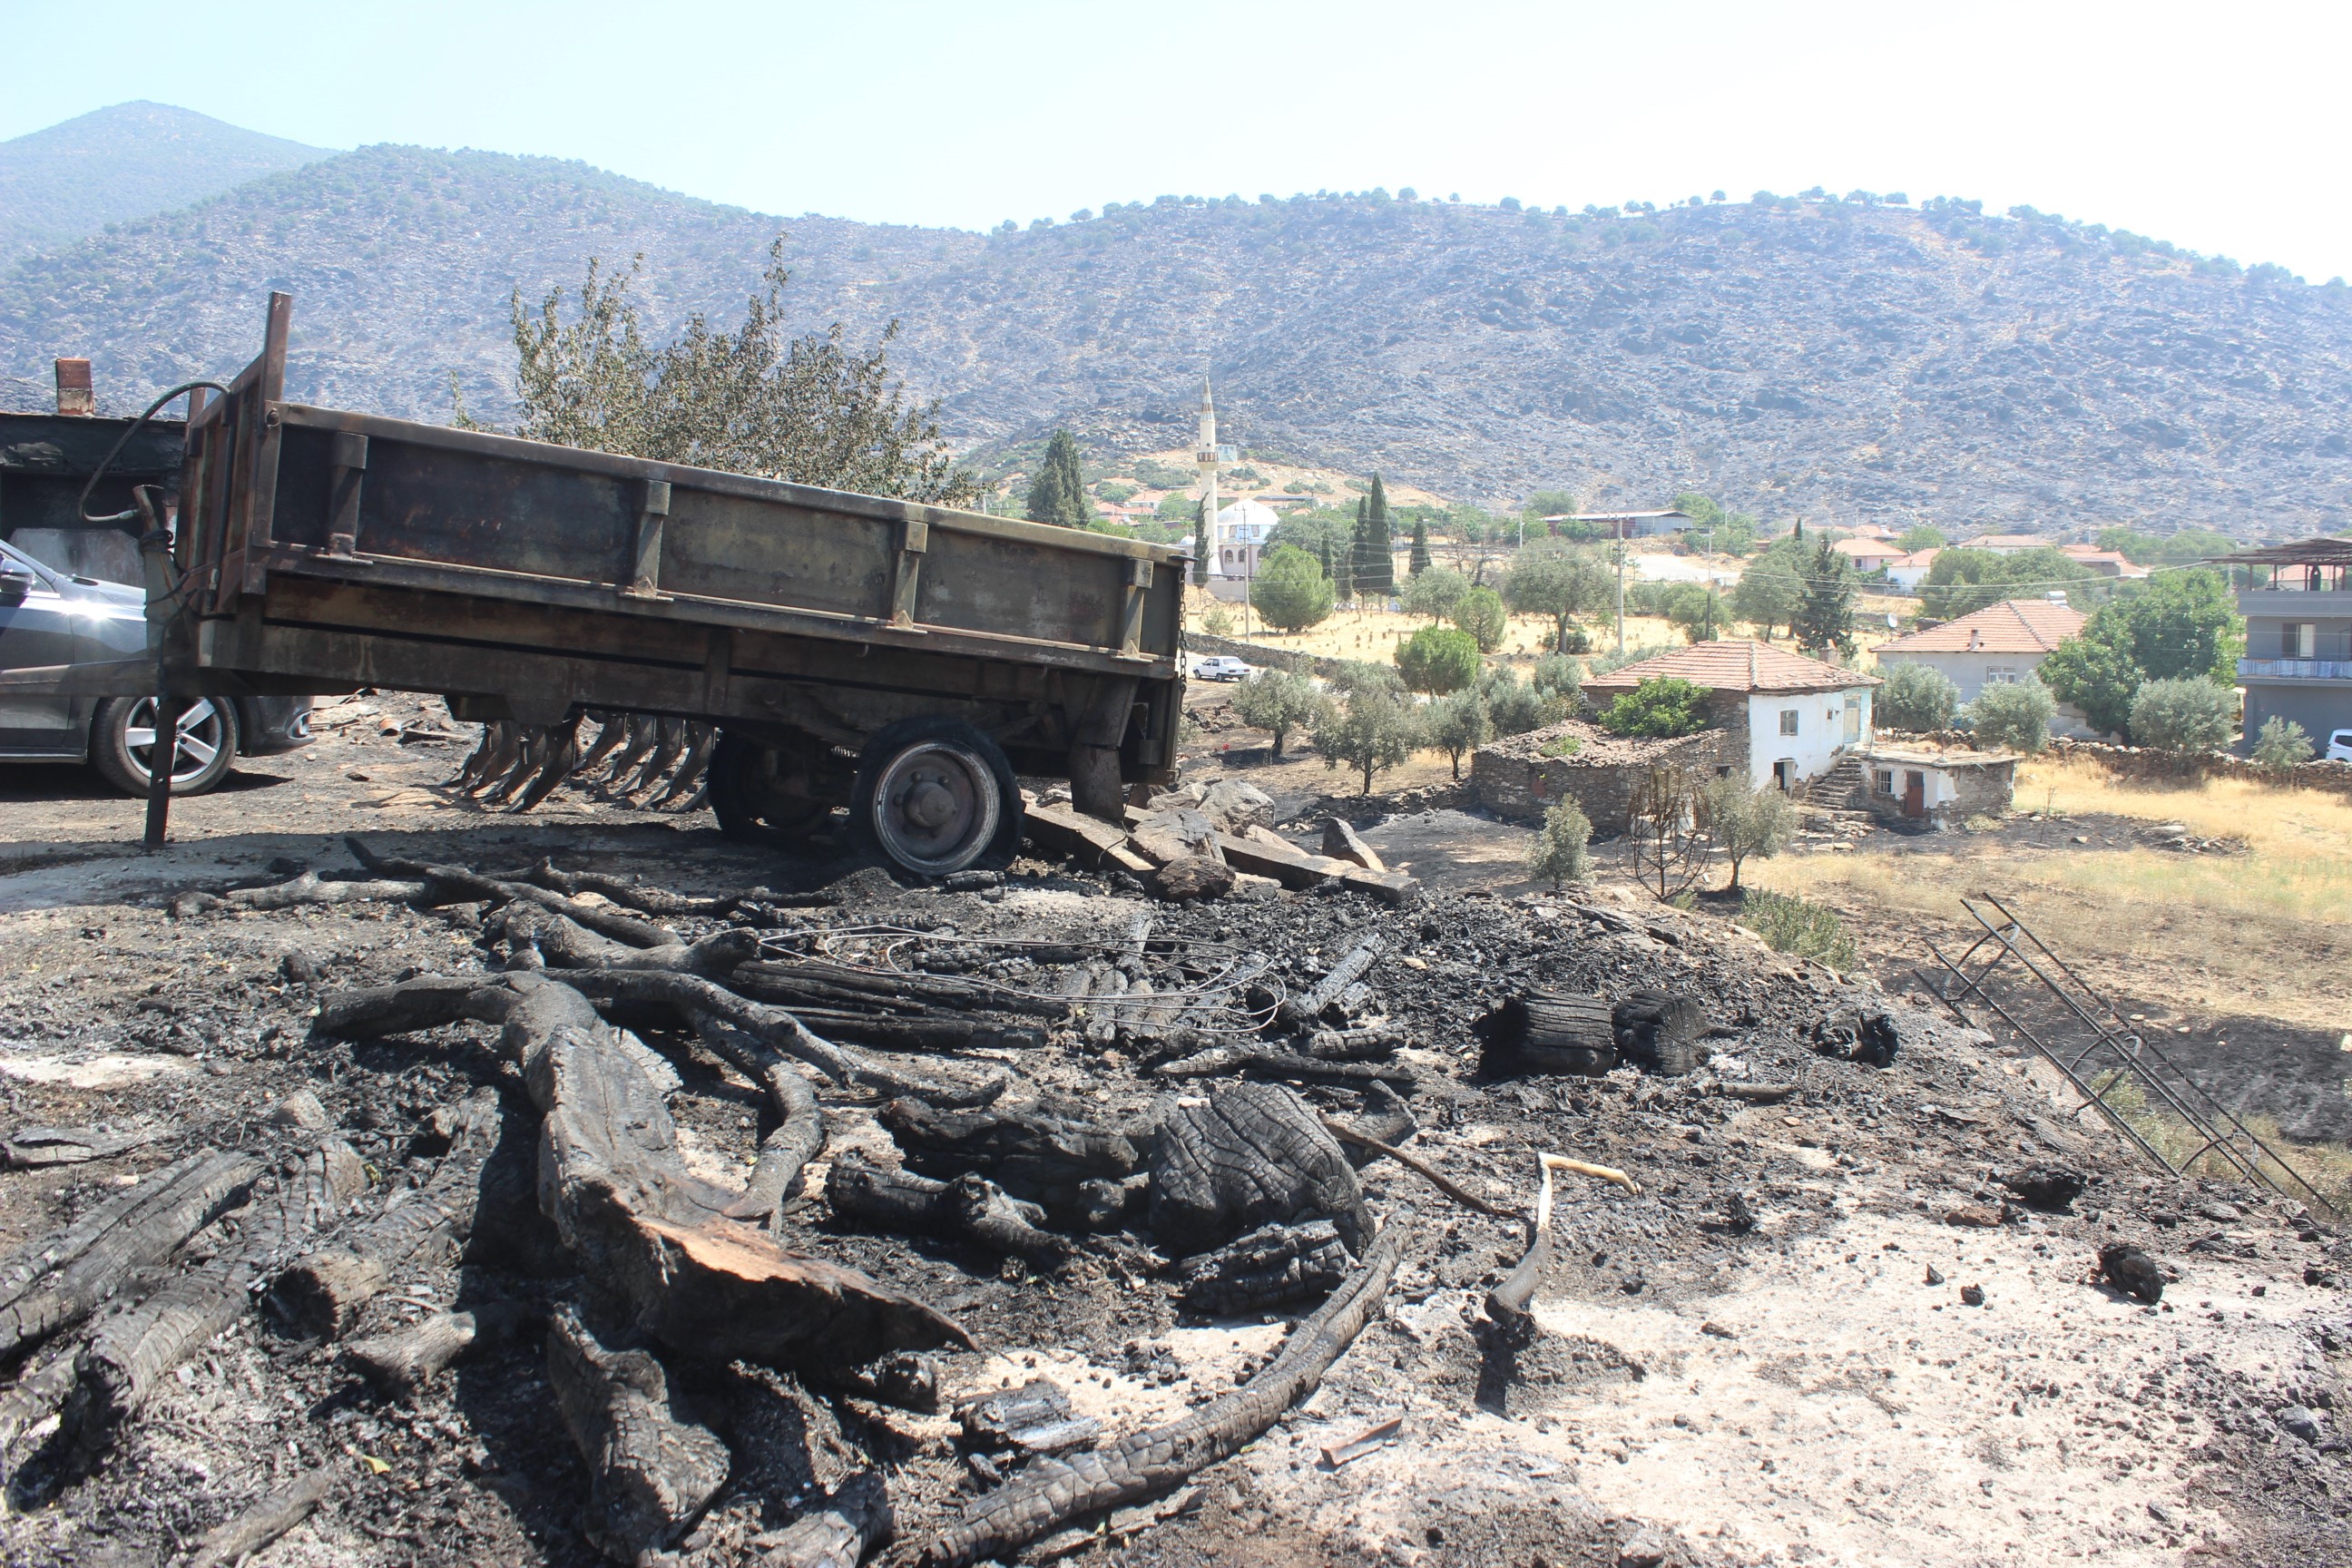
{"type": "Point", "coordinates": [1915, 793]}
{"type": "Point", "coordinates": [1784, 774]}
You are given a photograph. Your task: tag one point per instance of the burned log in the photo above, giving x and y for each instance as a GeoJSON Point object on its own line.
{"type": "Point", "coordinates": [969, 1208]}
{"type": "Point", "coordinates": [1254, 1061]}
{"type": "Point", "coordinates": [651, 1473]}
{"type": "Point", "coordinates": [1253, 1154]}
{"type": "Point", "coordinates": [32, 1148]}
{"type": "Point", "coordinates": [838, 1532]}
{"type": "Point", "coordinates": [535, 933]}
{"type": "Point", "coordinates": [799, 1133]}
{"type": "Point", "coordinates": [1384, 1119]}
{"type": "Point", "coordinates": [310, 887]}
{"type": "Point", "coordinates": [1304, 1011]}
{"type": "Point", "coordinates": [264, 1521]}
{"type": "Point", "coordinates": [655, 1236]}
{"type": "Point", "coordinates": [1072, 1169]}
{"type": "Point", "coordinates": [62, 1278]}
{"type": "Point", "coordinates": [321, 1293]}
{"type": "Point", "coordinates": [786, 980]}
{"type": "Point", "coordinates": [925, 1035]}
{"type": "Point", "coordinates": [1273, 1266]}
{"type": "Point", "coordinates": [404, 1359]}
{"type": "Point", "coordinates": [133, 1350]}
{"type": "Point", "coordinates": [1547, 1032]}
{"type": "Point", "coordinates": [1034, 1418]}
{"type": "Point", "coordinates": [1662, 1032]}
{"type": "Point", "coordinates": [456, 884]}
{"type": "Point", "coordinates": [1054, 1492]}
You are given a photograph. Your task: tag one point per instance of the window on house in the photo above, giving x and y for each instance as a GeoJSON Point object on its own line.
{"type": "Point", "coordinates": [2000, 674]}
{"type": "Point", "coordinates": [1884, 780]}
{"type": "Point", "coordinates": [1788, 721]}
{"type": "Point", "coordinates": [2301, 641]}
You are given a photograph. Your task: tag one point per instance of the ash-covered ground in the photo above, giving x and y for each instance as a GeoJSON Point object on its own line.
{"type": "Point", "coordinates": [1822, 1331]}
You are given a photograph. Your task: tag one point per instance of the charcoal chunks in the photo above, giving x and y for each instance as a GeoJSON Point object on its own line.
{"type": "Point", "coordinates": [1869, 1036]}
{"type": "Point", "coordinates": [2132, 1271]}
{"type": "Point", "coordinates": [2051, 1188]}
{"type": "Point", "coordinates": [1072, 1169]}
{"type": "Point", "coordinates": [1273, 1266]}
{"type": "Point", "coordinates": [1253, 1154]}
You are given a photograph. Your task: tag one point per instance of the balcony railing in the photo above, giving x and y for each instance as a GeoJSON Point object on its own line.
{"type": "Point", "coordinates": [2294, 670]}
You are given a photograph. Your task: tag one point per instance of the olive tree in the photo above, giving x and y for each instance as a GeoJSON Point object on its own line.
{"type": "Point", "coordinates": [1458, 723]}
{"type": "Point", "coordinates": [1278, 702]}
{"type": "Point", "coordinates": [1744, 820]}
{"type": "Point", "coordinates": [2012, 714]}
{"type": "Point", "coordinates": [1372, 731]}
{"type": "Point", "coordinates": [2281, 745]}
{"type": "Point", "coordinates": [2184, 716]}
{"type": "Point", "coordinates": [1561, 851]}
{"type": "Point", "coordinates": [1561, 581]}
{"type": "Point", "coordinates": [1917, 698]}
{"type": "Point", "coordinates": [1433, 592]}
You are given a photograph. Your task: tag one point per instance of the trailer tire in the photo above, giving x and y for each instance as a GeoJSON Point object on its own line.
{"type": "Point", "coordinates": [935, 795]}
{"type": "Point", "coordinates": [748, 808]}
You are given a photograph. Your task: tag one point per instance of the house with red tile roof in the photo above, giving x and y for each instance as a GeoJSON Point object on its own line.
{"type": "Point", "coordinates": [2001, 642]}
{"type": "Point", "coordinates": [2105, 562]}
{"type": "Point", "coordinates": [2005, 544]}
{"type": "Point", "coordinates": [1793, 718]}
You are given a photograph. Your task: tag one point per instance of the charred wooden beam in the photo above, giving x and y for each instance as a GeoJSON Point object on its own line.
{"type": "Point", "coordinates": [821, 976]}
{"type": "Point", "coordinates": [1254, 1061]}
{"type": "Point", "coordinates": [1073, 1169]}
{"type": "Point", "coordinates": [406, 1359]}
{"type": "Point", "coordinates": [838, 1532]}
{"type": "Point", "coordinates": [264, 1521]}
{"type": "Point", "coordinates": [1053, 1493]}
{"type": "Point", "coordinates": [1252, 1154]}
{"type": "Point", "coordinates": [1273, 1266]}
{"type": "Point", "coordinates": [1549, 1032]}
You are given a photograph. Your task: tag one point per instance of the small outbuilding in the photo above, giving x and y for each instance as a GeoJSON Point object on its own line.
{"type": "Point", "coordinates": [1937, 785]}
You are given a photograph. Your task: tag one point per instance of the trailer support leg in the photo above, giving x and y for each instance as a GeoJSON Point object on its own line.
{"type": "Point", "coordinates": [1095, 787]}
{"type": "Point", "coordinates": [162, 761]}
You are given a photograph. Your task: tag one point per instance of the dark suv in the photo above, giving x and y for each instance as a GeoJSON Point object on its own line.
{"type": "Point", "coordinates": [50, 618]}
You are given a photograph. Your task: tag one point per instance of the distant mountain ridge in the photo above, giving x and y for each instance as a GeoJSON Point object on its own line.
{"type": "Point", "coordinates": [1837, 360]}
{"type": "Point", "coordinates": [121, 163]}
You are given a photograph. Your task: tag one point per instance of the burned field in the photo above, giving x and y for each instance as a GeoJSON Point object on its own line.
{"type": "Point", "coordinates": [659, 1201]}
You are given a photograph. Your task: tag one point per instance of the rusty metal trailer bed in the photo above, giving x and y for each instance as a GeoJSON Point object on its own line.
{"type": "Point", "coordinates": [905, 660]}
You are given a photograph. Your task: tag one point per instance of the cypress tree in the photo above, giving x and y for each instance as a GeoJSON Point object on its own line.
{"type": "Point", "coordinates": [1418, 562]}
{"type": "Point", "coordinates": [1200, 541]}
{"type": "Point", "coordinates": [1375, 552]}
{"type": "Point", "coordinates": [1058, 494]}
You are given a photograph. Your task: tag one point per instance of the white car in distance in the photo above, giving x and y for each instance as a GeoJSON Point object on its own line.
{"type": "Point", "coordinates": [2340, 747]}
{"type": "Point", "coordinates": [1223, 667]}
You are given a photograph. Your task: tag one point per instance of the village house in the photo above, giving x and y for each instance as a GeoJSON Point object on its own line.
{"type": "Point", "coordinates": [1869, 554]}
{"type": "Point", "coordinates": [2298, 661]}
{"type": "Point", "coordinates": [1932, 785]}
{"type": "Point", "coordinates": [2105, 562]}
{"type": "Point", "coordinates": [1907, 571]}
{"type": "Point", "coordinates": [2001, 642]}
{"type": "Point", "coordinates": [1787, 717]}
{"type": "Point", "coordinates": [2005, 544]}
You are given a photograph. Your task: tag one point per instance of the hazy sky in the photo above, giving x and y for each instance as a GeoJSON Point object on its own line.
{"type": "Point", "coordinates": [2210, 126]}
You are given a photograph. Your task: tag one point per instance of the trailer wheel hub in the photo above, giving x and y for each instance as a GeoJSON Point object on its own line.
{"type": "Point", "coordinates": [936, 807]}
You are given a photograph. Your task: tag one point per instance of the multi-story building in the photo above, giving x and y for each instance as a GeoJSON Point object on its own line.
{"type": "Point", "coordinates": [2298, 660]}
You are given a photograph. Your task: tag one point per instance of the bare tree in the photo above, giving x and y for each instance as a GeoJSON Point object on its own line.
{"type": "Point", "coordinates": [1666, 831]}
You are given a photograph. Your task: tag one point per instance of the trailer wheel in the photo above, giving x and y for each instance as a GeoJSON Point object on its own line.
{"type": "Point", "coordinates": [745, 796]}
{"type": "Point", "coordinates": [936, 796]}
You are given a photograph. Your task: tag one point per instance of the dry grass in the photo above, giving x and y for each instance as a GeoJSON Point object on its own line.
{"type": "Point", "coordinates": [2266, 933]}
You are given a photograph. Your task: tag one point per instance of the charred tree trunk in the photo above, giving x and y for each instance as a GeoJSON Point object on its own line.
{"type": "Point", "coordinates": [969, 1208]}
{"type": "Point", "coordinates": [1549, 1032]}
{"type": "Point", "coordinates": [406, 1359]}
{"type": "Point", "coordinates": [1662, 1032]}
{"type": "Point", "coordinates": [650, 1473]}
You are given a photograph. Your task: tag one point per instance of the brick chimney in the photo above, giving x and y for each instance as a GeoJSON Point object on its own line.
{"type": "Point", "coordinates": [75, 398]}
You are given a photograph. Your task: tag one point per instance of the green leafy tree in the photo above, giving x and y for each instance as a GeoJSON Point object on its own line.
{"type": "Point", "coordinates": [1375, 547]}
{"type": "Point", "coordinates": [1562, 851]}
{"type": "Point", "coordinates": [1437, 661]}
{"type": "Point", "coordinates": [2012, 714]}
{"type": "Point", "coordinates": [1058, 493]}
{"type": "Point", "coordinates": [2184, 715]}
{"type": "Point", "coordinates": [1735, 533]}
{"type": "Point", "coordinates": [1418, 562]}
{"type": "Point", "coordinates": [1279, 701]}
{"type": "Point", "coordinates": [1459, 723]}
{"type": "Point", "coordinates": [1291, 592]}
{"type": "Point", "coordinates": [1700, 613]}
{"type": "Point", "coordinates": [1770, 594]}
{"type": "Point", "coordinates": [1700, 508]}
{"type": "Point", "coordinates": [1557, 675]}
{"type": "Point", "coordinates": [1747, 820]}
{"type": "Point", "coordinates": [2096, 676]}
{"type": "Point", "coordinates": [1917, 698]}
{"type": "Point", "coordinates": [1921, 536]}
{"type": "Point", "coordinates": [1434, 593]}
{"type": "Point", "coordinates": [2281, 745]}
{"type": "Point", "coordinates": [1356, 675]}
{"type": "Point", "coordinates": [1479, 612]}
{"type": "Point", "coordinates": [1662, 707]}
{"type": "Point", "coordinates": [1200, 538]}
{"type": "Point", "coordinates": [1825, 619]}
{"type": "Point", "coordinates": [1544, 504]}
{"type": "Point", "coordinates": [2180, 624]}
{"type": "Point", "coordinates": [1962, 582]}
{"type": "Point", "coordinates": [1372, 731]}
{"type": "Point", "coordinates": [1561, 581]}
{"type": "Point", "coordinates": [754, 401]}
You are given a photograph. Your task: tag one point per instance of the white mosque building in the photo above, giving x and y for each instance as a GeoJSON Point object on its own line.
{"type": "Point", "coordinates": [1239, 541]}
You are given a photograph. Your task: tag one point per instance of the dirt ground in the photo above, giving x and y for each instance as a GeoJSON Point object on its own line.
{"type": "Point", "coordinates": [1801, 1391]}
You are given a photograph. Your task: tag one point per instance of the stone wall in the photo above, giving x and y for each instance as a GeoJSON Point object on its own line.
{"type": "Point", "coordinates": [1259, 654]}
{"type": "Point", "coordinates": [2139, 763]}
{"type": "Point", "coordinates": [1512, 779]}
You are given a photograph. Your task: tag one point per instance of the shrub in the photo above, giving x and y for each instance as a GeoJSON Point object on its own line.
{"type": "Point", "coordinates": [1433, 592]}
{"type": "Point", "coordinates": [1792, 925]}
{"type": "Point", "coordinates": [1660, 708]}
{"type": "Point", "coordinates": [1278, 702]}
{"type": "Point", "coordinates": [2184, 716]}
{"type": "Point", "coordinates": [1518, 707]}
{"type": "Point", "coordinates": [1561, 851]}
{"type": "Point", "coordinates": [1563, 745]}
{"type": "Point", "coordinates": [1291, 590]}
{"type": "Point", "coordinates": [1480, 613]}
{"type": "Point", "coordinates": [2013, 713]}
{"type": "Point", "coordinates": [1578, 641]}
{"type": "Point", "coordinates": [1372, 732]}
{"type": "Point", "coordinates": [1218, 623]}
{"type": "Point", "coordinates": [1610, 663]}
{"type": "Point", "coordinates": [1917, 698]}
{"type": "Point", "coordinates": [1438, 661]}
{"type": "Point", "coordinates": [1559, 676]}
{"type": "Point", "coordinates": [2281, 745]}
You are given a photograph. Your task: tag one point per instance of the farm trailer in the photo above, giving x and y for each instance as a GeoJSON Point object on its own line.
{"type": "Point", "coordinates": [904, 660]}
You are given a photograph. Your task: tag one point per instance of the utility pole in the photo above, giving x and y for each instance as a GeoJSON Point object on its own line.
{"type": "Point", "coordinates": [1620, 531]}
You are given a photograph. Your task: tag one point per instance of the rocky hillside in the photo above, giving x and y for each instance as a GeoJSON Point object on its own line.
{"type": "Point", "coordinates": [1817, 357]}
{"type": "Point", "coordinates": [121, 163]}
